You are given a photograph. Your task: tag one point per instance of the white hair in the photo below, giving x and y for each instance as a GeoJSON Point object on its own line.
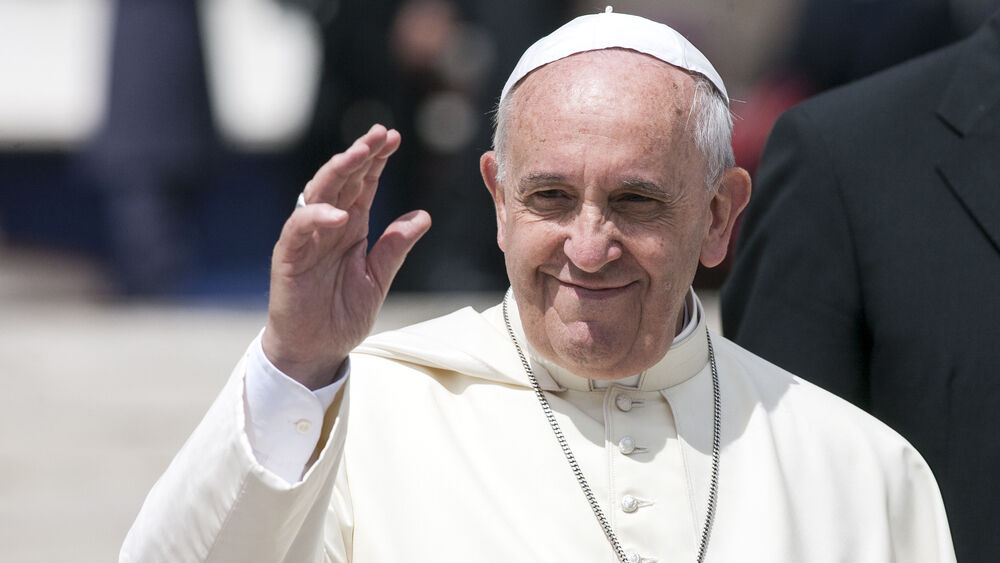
{"type": "Point", "coordinates": [713, 130]}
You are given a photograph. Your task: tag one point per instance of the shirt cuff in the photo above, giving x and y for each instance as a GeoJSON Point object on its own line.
{"type": "Point", "coordinates": [284, 418]}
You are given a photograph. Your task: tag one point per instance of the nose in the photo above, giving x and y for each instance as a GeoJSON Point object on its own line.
{"type": "Point", "coordinates": [591, 242]}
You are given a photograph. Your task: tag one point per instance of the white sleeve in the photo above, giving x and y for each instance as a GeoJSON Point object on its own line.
{"type": "Point", "coordinates": [284, 418]}
{"type": "Point", "coordinates": [217, 503]}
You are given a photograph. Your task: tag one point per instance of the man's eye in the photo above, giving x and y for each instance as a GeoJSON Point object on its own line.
{"type": "Point", "coordinates": [550, 194]}
{"type": "Point", "coordinates": [634, 198]}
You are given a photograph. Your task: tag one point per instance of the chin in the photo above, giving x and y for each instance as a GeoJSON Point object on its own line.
{"type": "Point", "coordinates": [589, 359]}
{"type": "Point", "coordinates": [610, 357]}
{"type": "Point", "coordinates": [593, 339]}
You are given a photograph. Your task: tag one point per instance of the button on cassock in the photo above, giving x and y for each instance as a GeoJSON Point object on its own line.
{"type": "Point", "coordinates": [623, 402]}
{"type": "Point", "coordinates": [630, 504]}
{"type": "Point", "coordinates": [626, 445]}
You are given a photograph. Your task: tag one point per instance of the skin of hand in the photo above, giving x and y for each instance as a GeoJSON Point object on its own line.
{"type": "Point", "coordinates": [326, 288]}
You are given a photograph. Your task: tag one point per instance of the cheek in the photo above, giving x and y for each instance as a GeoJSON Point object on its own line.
{"type": "Point", "coordinates": [531, 248]}
{"type": "Point", "coordinates": [531, 238]}
{"type": "Point", "coordinates": [670, 261]}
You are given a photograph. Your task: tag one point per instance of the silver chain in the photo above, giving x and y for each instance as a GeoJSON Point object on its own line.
{"type": "Point", "coordinates": [578, 473]}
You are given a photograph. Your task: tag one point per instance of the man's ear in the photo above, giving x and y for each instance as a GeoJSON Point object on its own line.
{"type": "Point", "coordinates": [488, 168]}
{"type": "Point", "coordinates": [725, 207]}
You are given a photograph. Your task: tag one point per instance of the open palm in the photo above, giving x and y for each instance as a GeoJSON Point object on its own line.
{"type": "Point", "coordinates": [326, 289]}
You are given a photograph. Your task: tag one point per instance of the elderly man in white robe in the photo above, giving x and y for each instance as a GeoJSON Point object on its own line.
{"type": "Point", "coordinates": [589, 417]}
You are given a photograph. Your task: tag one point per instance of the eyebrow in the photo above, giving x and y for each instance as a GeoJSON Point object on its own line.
{"type": "Point", "coordinates": [645, 187]}
{"type": "Point", "coordinates": [538, 180]}
{"type": "Point", "coordinates": [635, 184]}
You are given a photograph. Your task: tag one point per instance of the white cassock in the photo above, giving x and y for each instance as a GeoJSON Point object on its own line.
{"type": "Point", "coordinates": [445, 455]}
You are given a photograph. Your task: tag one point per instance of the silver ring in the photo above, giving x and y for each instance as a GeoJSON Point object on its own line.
{"type": "Point", "coordinates": [301, 201]}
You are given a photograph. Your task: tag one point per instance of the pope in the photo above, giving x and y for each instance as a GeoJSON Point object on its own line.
{"type": "Point", "coordinates": [590, 416]}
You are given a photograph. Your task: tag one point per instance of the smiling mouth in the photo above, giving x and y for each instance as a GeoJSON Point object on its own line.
{"type": "Point", "coordinates": [595, 291]}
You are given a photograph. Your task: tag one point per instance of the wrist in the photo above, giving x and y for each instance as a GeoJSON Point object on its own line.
{"type": "Point", "coordinates": [313, 370]}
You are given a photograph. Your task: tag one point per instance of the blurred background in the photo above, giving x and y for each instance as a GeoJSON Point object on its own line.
{"type": "Point", "coordinates": [150, 151]}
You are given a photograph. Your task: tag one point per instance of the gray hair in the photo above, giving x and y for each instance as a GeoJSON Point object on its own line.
{"type": "Point", "coordinates": [713, 130]}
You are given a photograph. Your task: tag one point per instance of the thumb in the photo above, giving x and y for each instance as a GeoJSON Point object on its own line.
{"type": "Point", "coordinates": [387, 255]}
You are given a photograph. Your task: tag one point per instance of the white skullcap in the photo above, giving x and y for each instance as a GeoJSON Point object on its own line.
{"type": "Point", "coordinates": [607, 30]}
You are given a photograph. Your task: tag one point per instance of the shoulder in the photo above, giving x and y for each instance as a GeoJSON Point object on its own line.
{"type": "Point", "coordinates": [850, 137]}
{"type": "Point", "coordinates": [796, 410]}
{"type": "Point", "coordinates": [831, 464]}
{"type": "Point", "coordinates": [465, 342]}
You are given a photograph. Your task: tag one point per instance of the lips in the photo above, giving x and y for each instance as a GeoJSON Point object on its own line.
{"type": "Point", "coordinates": [586, 290]}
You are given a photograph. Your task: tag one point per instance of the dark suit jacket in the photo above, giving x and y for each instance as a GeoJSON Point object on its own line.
{"type": "Point", "coordinates": [869, 262]}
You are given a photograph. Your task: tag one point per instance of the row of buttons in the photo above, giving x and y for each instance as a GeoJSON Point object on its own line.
{"type": "Point", "coordinates": [627, 446]}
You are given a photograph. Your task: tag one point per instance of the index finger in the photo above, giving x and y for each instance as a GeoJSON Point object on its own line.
{"type": "Point", "coordinates": [370, 178]}
{"type": "Point", "coordinates": [343, 168]}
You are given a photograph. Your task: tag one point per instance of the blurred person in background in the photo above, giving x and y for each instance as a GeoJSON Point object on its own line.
{"type": "Point", "coordinates": [158, 151]}
{"type": "Point", "coordinates": [114, 144]}
{"type": "Point", "coordinates": [869, 262]}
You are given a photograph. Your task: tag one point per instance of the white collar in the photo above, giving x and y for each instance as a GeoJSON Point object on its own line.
{"type": "Point", "coordinates": [688, 354]}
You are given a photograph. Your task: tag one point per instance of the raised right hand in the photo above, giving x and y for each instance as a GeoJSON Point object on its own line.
{"type": "Point", "coordinates": [326, 289]}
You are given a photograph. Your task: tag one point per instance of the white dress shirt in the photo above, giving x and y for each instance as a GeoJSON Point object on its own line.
{"type": "Point", "coordinates": [284, 418]}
